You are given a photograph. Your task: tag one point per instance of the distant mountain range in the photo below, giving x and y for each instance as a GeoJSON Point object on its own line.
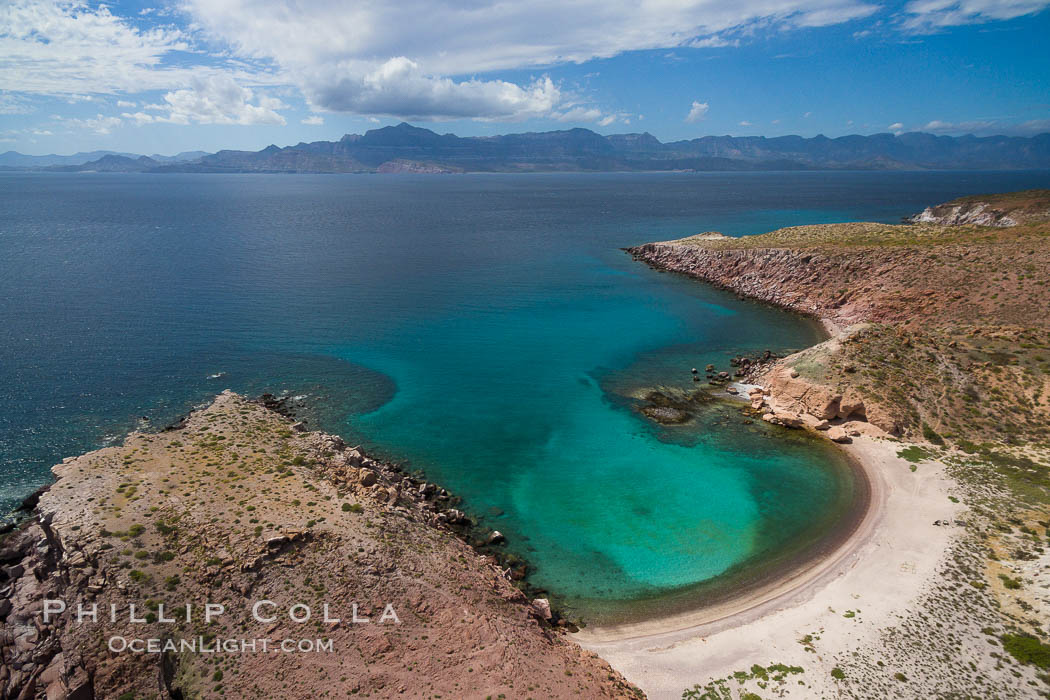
{"type": "Point", "coordinates": [14, 159]}
{"type": "Point", "coordinates": [406, 148]}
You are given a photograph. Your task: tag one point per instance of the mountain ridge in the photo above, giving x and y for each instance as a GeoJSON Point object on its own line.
{"type": "Point", "coordinates": [416, 149]}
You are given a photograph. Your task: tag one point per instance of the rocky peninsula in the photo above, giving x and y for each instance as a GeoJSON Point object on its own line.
{"type": "Point", "coordinates": [936, 379]}
{"type": "Point", "coordinates": [308, 568]}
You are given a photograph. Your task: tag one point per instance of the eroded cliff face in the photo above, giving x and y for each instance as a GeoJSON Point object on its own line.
{"type": "Point", "coordinates": [237, 506]}
{"type": "Point", "coordinates": [999, 210]}
{"type": "Point", "coordinates": [978, 213]}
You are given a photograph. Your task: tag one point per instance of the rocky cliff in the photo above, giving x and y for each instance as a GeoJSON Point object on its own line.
{"type": "Point", "coordinates": [999, 210]}
{"type": "Point", "coordinates": [937, 328]}
{"type": "Point", "coordinates": [238, 505]}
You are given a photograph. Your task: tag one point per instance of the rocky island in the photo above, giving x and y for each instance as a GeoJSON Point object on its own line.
{"type": "Point", "coordinates": [936, 380]}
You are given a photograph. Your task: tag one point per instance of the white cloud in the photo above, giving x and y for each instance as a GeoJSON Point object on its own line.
{"type": "Point", "coordinates": [126, 104]}
{"type": "Point", "coordinates": [978, 127]}
{"type": "Point", "coordinates": [100, 124]}
{"type": "Point", "coordinates": [218, 99]}
{"type": "Point", "coordinates": [582, 114]}
{"type": "Point", "coordinates": [70, 47]}
{"type": "Point", "coordinates": [942, 127]}
{"type": "Point", "coordinates": [745, 123]}
{"type": "Point", "coordinates": [313, 120]}
{"type": "Point", "coordinates": [139, 118]}
{"type": "Point", "coordinates": [697, 112]}
{"type": "Point", "coordinates": [399, 87]}
{"type": "Point", "coordinates": [927, 16]}
{"type": "Point", "coordinates": [606, 121]}
{"type": "Point", "coordinates": [14, 104]}
{"type": "Point", "coordinates": [402, 58]}
{"type": "Point", "coordinates": [937, 125]}
{"type": "Point", "coordinates": [416, 59]}
{"type": "Point", "coordinates": [713, 42]}
{"type": "Point", "coordinates": [1035, 126]}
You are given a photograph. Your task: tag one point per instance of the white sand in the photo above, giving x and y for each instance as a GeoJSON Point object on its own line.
{"type": "Point", "coordinates": [879, 571]}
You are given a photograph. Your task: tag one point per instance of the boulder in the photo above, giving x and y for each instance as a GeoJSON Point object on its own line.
{"type": "Point", "coordinates": [495, 537]}
{"type": "Point", "coordinates": [784, 419]}
{"type": "Point", "coordinates": [542, 606]}
{"type": "Point", "coordinates": [825, 407]}
{"type": "Point", "coordinates": [368, 477]}
{"type": "Point", "coordinates": [456, 517]}
{"type": "Point", "coordinates": [838, 434]}
{"type": "Point", "coordinates": [851, 406]}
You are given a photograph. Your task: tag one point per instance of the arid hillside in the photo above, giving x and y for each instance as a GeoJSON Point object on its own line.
{"type": "Point", "coordinates": [239, 505]}
{"type": "Point", "coordinates": [942, 329]}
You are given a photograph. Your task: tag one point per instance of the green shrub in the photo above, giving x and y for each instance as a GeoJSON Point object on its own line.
{"type": "Point", "coordinates": [915, 454]}
{"type": "Point", "coordinates": [1011, 583]}
{"type": "Point", "coordinates": [1027, 650]}
{"type": "Point", "coordinates": [931, 435]}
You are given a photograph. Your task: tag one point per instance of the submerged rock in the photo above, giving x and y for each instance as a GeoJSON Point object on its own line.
{"type": "Point", "coordinates": [667, 414]}
{"type": "Point", "coordinates": [671, 406]}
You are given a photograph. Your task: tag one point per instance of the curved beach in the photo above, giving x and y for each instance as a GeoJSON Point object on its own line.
{"type": "Point", "coordinates": [770, 588]}
{"type": "Point", "coordinates": [879, 568]}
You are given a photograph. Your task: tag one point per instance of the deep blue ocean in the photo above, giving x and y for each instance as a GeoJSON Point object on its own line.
{"type": "Point", "coordinates": [485, 329]}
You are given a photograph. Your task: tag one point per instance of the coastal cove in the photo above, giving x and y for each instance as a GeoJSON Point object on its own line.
{"type": "Point", "coordinates": [486, 330]}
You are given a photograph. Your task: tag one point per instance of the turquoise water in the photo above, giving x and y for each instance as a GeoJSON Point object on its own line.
{"type": "Point", "coordinates": [533, 392]}
{"type": "Point", "coordinates": [487, 330]}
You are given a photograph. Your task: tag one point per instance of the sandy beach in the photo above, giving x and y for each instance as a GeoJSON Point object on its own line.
{"type": "Point", "coordinates": [840, 600]}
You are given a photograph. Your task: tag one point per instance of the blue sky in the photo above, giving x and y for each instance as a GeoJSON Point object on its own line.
{"type": "Point", "coordinates": [156, 77]}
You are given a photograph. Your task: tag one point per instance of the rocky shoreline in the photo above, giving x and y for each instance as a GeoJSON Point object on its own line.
{"type": "Point", "coordinates": [237, 503]}
{"type": "Point", "coordinates": [935, 379]}
{"type": "Point", "coordinates": [774, 389]}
